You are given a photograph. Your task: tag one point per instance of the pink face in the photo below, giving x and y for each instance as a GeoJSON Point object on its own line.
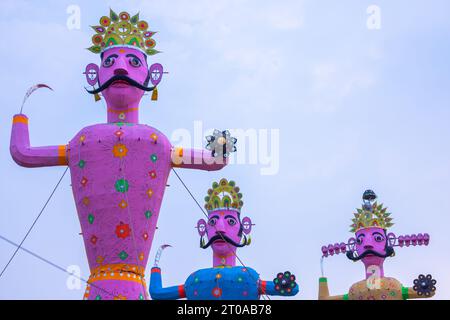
{"type": "Point", "coordinates": [371, 239]}
{"type": "Point", "coordinates": [224, 230]}
{"type": "Point", "coordinates": [228, 224]}
{"type": "Point", "coordinates": [123, 61]}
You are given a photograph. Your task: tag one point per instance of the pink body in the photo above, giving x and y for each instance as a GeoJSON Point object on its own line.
{"type": "Point", "coordinates": [119, 172]}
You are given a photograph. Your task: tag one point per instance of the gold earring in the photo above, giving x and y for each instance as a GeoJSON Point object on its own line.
{"type": "Point", "coordinates": [155, 94]}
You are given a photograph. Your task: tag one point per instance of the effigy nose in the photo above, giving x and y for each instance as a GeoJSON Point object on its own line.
{"type": "Point", "coordinates": [120, 72]}
{"type": "Point", "coordinates": [368, 247]}
{"type": "Point", "coordinates": [220, 229]}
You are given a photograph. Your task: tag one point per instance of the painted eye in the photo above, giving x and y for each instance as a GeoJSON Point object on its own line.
{"type": "Point", "coordinates": [379, 238]}
{"type": "Point", "coordinates": [212, 222]}
{"type": "Point", "coordinates": [231, 222]}
{"type": "Point", "coordinates": [359, 240]}
{"type": "Point", "coordinates": [135, 62]}
{"type": "Point", "coordinates": [108, 62]}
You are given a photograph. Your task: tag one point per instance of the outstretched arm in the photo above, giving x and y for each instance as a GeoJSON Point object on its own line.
{"type": "Point", "coordinates": [324, 293]}
{"type": "Point", "coordinates": [424, 287]}
{"type": "Point", "coordinates": [268, 288]}
{"type": "Point", "coordinates": [410, 293]}
{"type": "Point", "coordinates": [196, 159]}
{"type": "Point", "coordinates": [27, 156]}
{"type": "Point", "coordinates": [157, 292]}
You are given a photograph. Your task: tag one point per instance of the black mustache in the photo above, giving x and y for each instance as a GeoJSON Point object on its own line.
{"type": "Point", "coordinates": [130, 81]}
{"type": "Point", "coordinates": [225, 238]}
{"type": "Point", "coordinates": [389, 252]}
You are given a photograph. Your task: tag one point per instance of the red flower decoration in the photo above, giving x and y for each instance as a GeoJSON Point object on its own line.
{"type": "Point", "coordinates": [118, 133]}
{"type": "Point", "coordinates": [123, 230]}
{"type": "Point", "coordinates": [145, 236]}
{"type": "Point", "coordinates": [94, 239]}
{"type": "Point", "coordinates": [217, 292]}
{"type": "Point", "coordinates": [152, 174]}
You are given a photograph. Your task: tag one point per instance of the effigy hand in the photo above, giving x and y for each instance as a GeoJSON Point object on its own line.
{"type": "Point", "coordinates": [221, 144]}
{"type": "Point", "coordinates": [285, 284]}
{"type": "Point", "coordinates": [424, 285]}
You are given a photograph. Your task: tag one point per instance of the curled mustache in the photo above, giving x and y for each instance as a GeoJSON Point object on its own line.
{"type": "Point", "coordinates": [121, 77]}
{"type": "Point", "coordinates": [226, 239]}
{"type": "Point", "coordinates": [389, 252]}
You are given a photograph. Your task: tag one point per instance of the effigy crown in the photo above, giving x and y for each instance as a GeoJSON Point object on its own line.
{"type": "Point", "coordinates": [224, 195]}
{"type": "Point", "coordinates": [371, 214]}
{"type": "Point", "coordinates": [122, 30]}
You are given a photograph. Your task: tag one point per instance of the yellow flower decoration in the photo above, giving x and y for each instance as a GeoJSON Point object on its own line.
{"type": "Point", "coordinates": [123, 204]}
{"type": "Point", "coordinates": [120, 150]}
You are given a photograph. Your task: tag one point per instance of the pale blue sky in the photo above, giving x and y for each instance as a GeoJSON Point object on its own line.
{"type": "Point", "coordinates": [356, 109]}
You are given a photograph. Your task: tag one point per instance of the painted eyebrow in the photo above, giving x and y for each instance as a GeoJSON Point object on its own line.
{"type": "Point", "coordinates": [361, 235]}
{"type": "Point", "coordinates": [113, 55]}
{"type": "Point", "coordinates": [213, 217]}
{"type": "Point", "coordinates": [376, 232]}
{"type": "Point", "coordinates": [133, 55]}
{"type": "Point", "coordinates": [230, 216]}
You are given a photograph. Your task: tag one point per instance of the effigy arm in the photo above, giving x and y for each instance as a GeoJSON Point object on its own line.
{"type": "Point", "coordinates": [157, 292]}
{"type": "Point", "coordinates": [27, 156]}
{"type": "Point", "coordinates": [196, 159]}
{"type": "Point", "coordinates": [268, 288]}
{"type": "Point", "coordinates": [424, 287]}
{"type": "Point", "coordinates": [410, 293]}
{"type": "Point", "coordinates": [324, 293]}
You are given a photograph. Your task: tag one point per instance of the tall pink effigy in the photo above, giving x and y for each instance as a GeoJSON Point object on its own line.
{"type": "Point", "coordinates": [119, 169]}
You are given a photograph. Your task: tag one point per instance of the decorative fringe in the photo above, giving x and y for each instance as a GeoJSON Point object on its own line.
{"type": "Point", "coordinates": [97, 97]}
{"type": "Point", "coordinates": [155, 94]}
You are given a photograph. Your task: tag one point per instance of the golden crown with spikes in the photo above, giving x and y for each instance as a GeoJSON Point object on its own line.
{"type": "Point", "coordinates": [124, 31]}
{"type": "Point", "coordinates": [224, 195]}
{"type": "Point", "coordinates": [371, 215]}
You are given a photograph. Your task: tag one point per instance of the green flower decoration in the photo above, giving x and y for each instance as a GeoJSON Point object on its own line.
{"type": "Point", "coordinates": [98, 297]}
{"type": "Point", "coordinates": [154, 157]}
{"type": "Point", "coordinates": [123, 255]}
{"type": "Point", "coordinates": [141, 297]}
{"type": "Point", "coordinates": [148, 214]}
{"type": "Point", "coordinates": [122, 185]}
{"type": "Point", "coordinates": [81, 164]}
{"type": "Point", "coordinates": [91, 218]}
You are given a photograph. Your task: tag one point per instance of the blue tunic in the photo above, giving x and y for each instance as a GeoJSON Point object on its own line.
{"type": "Point", "coordinates": [223, 283]}
{"type": "Point", "coordinates": [220, 283]}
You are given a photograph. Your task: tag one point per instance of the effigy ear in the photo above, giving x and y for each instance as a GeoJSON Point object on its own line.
{"type": "Point", "coordinates": [156, 71]}
{"type": "Point", "coordinates": [246, 225]}
{"type": "Point", "coordinates": [391, 238]}
{"type": "Point", "coordinates": [201, 227]}
{"type": "Point", "coordinates": [91, 74]}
